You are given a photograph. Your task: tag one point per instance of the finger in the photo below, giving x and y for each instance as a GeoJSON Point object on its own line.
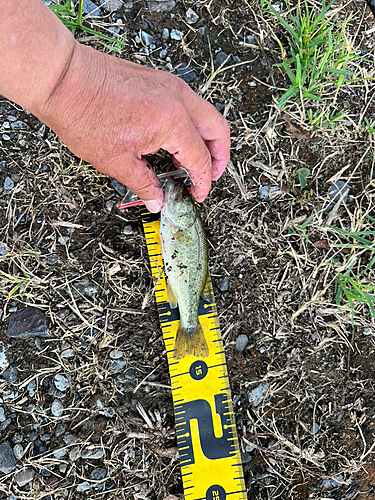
{"type": "Point", "coordinates": [190, 152]}
{"type": "Point", "coordinates": [136, 174]}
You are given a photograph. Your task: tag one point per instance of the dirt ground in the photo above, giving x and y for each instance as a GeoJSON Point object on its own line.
{"type": "Point", "coordinates": [89, 406]}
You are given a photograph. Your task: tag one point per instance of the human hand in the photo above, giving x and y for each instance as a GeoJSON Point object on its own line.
{"type": "Point", "coordinates": [111, 112]}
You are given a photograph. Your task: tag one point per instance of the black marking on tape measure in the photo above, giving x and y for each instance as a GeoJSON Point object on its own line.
{"type": "Point", "coordinates": [216, 492]}
{"type": "Point", "coordinates": [212, 447]}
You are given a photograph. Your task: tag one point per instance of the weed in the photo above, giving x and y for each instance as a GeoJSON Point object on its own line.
{"type": "Point", "coordinates": [74, 20]}
{"type": "Point", "coordinates": [369, 127]}
{"type": "Point", "coordinates": [302, 174]}
{"type": "Point", "coordinates": [319, 52]}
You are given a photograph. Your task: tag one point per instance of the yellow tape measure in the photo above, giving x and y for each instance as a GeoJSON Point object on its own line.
{"type": "Point", "coordinates": [206, 430]}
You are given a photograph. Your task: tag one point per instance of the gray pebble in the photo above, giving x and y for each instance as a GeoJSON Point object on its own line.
{"type": "Point", "coordinates": [89, 7]}
{"type": "Point", "coordinates": [176, 34]}
{"type": "Point", "coordinates": [4, 425]}
{"type": "Point", "coordinates": [18, 451]}
{"type": "Point", "coordinates": [31, 387]}
{"type": "Point", "coordinates": [117, 365]}
{"type": "Point", "coordinates": [129, 374]}
{"type": "Point", "coordinates": [10, 374]}
{"type": "Point", "coordinates": [63, 240]}
{"type": "Point", "coordinates": [119, 188]}
{"type": "Point", "coordinates": [7, 459]}
{"type": "Point", "coordinates": [3, 249]}
{"type": "Point", "coordinates": [331, 483]}
{"type": "Point", "coordinates": [257, 394]}
{"type": "Point", "coordinates": [165, 35]}
{"type": "Point", "coordinates": [249, 448]}
{"type": "Point", "coordinates": [245, 457]}
{"type": "Point", "coordinates": [83, 487]}
{"type": "Point", "coordinates": [63, 468]}
{"type": "Point", "coordinates": [163, 53]}
{"type": "Point", "coordinates": [57, 409]}
{"type": "Point", "coordinates": [70, 439]}
{"type": "Point", "coordinates": [39, 448]}
{"type": "Point", "coordinates": [115, 354]}
{"type": "Point", "coordinates": [159, 6]}
{"type": "Point", "coordinates": [8, 183]}
{"type": "Point", "coordinates": [221, 58]}
{"type": "Point", "coordinates": [92, 452]}
{"type": "Point", "coordinates": [191, 16]}
{"type": "Point", "coordinates": [24, 476]}
{"type": "Point", "coordinates": [168, 66]}
{"type": "Point", "coordinates": [219, 106]}
{"type": "Point", "coordinates": [59, 454]}
{"type": "Point", "coordinates": [111, 5]}
{"type": "Point", "coordinates": [61, 382]}
{"type": "Point", "coordinates": [6, 137]}
{"type": "Point", "coordinates": [28, 322]}
{"type": "Point", "coordinates": [315, 429]}
{"type": "Point", "coordinates": [268, 192]}
{"type": "Point", "coordinates": [60, 430]}
{"type": "Point", "coordinates": [19, 125]}
{"type": "Point", "coordinates": [74, 453]}
{"type": "Point", "coordinates": [202, 30]}
{"type": "Point", "coordinates": [33, 436]}
{"type": "Point", "coordinates": [147, 39]}
{"type": "Point", "coordinates": [4, 361]}
{"type": "Point", "coordinates": [109, 412]}
{"type": "Point", "coordinates": [241, 343]}
{"type": "Point", "coordinates": [68, 353]}
{"type": "Point", "coordinates": [12, 118]}
{"type": "Point", "coordinates": [144, 25]}
{"type": "Point", "coordinates": [336, 191]}
{"type": "Point", "coordinates": [17, 438]}
{"type": "Point", "coordinates": [2, 414]}
{"type": "Point", "coordinates": [186, 73]}
{"type": "Point", "coordinates": [98, 474]}
{"type": "Point", "coordinates": [224, 284]}
{"type": "Point", "coordinates": [251, 39]}
{"type": "Point", "coordinates": [236, 60]}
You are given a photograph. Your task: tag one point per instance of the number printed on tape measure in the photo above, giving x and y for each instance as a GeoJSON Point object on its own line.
{"type": "Point", "coordinates": [205, 426]}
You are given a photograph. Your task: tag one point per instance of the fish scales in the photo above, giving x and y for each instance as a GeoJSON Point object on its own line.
{"type": "Point", "coordinates": [184, 250]}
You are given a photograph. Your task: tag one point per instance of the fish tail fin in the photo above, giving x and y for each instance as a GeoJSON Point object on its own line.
{"type": "Point", "coordinates": [190, 342]}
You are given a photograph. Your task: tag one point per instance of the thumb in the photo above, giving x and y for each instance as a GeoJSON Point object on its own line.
{"type": "Point", "coordinates": [139, 177]}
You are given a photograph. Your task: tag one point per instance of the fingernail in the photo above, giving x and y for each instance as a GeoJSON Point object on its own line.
{"type": "Point", "coordinates": [153, 206]}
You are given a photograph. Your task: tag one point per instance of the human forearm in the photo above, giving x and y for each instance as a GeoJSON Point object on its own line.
{"type": "Point", "coordinates": [35, 50]}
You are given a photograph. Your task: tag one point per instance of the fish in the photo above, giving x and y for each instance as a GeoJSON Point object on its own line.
{"type": "Point", "coordinates": [184, 251]}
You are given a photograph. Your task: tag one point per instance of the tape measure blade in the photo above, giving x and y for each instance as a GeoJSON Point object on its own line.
{"type": "Point", "coordinates": [205, 425]}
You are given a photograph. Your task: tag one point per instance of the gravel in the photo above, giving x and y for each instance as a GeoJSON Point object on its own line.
{"type": "Point", "coordinates": [57, 409]}
{"type": "Point", "coordinates": [68, 353]}
{"type": "Point", "coordinates": [337, 190]}
{"type": "Point", "coordinates": [176, 34]}
{"type": "Point", "coordinates": [10, 374]}
{"type": "Point", "coordinates": [98, 474]}
{"type": "Point", "coordinates": [7, 458]}
{"type": "Point", "coordinates": [147, 39]}
{"type": "Point", "coordinates": [158, 6]}
{"type": "Point", "coordinates": [26, 323]}
{"type": "Point", "coordinates": [186, 73]}
{"type": "Point", "coordinates": [18, 451]}
{"type": "Point", "coordinates": [165, 36]}
{"type": "Point", "coordinates": [241, 343]}
{"type": "Point", "coordinates": [93, 453]}
{"type": "Point", "coordinates": [24, 476]}
{"type": "Point", "coordinates": [83, 487]}
{"type": "Point", "coordinates": [111, 5]}
{"type": "Point", "coordinates": [8, 183]}
{"type": "Point", "coordinates": [191, 16]}
{"type": "Point", "coordinates": [4, 361]}
{"type": "Point", "coordinates": [2, 414]}
{"type": "Point", "coordinates": [267, 193]}
{"type": "Point", "coordinates": [61, 382]}
{"type": "Point", "coordinates": [257, 394]}
{"type": "Point", "coordinates": [224, 284]}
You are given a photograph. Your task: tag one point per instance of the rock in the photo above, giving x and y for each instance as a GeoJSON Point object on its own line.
{"type": "Point", "coordinates": [115, 354]}
{"type": "Point", "coordinates": [63, 240]}
{"type": "Point", "coordinates": [74, 453]}
{"type": "Point", "coordinates": [90, 8]}
{"type": "Point", "coordinates": [267, 193]}
{"type": "Point", "coordinates": [117, 365]}
{"type": "Point", "coordinates": [83, 487]}
{"type": "Point", "coordinates": [144, 25]}
{"type": "Point", "coordinates": [5, 424]}
{"type": "Point", "coordinates": [33, 436]}
{"type": "Point", "coordinates": [331, 483]}
{"type": "Point", "coordinates": [4, 361]}
{"type": "Point", "coordinates": [129, 374]}
{"type": "Point", "coordinates": [24, 476]}
{"type": "Point", "coordinates": [70, 439]}
{"type": "Point", "coordinates": [28, 322]}
{"type": "Point", "coordinates": [241, 343]}
{"type": "Point", "coordinates": [118, 187]}
{"type": "Point", "coordinates": [18, 451]}
{"type": "Point", "coordinates": [245, 457]}
{"type": "Point", "coordinates": [219, 106]}
{"type": "Point", "coordinates": [249, 448]}
{"type": "Point", "coordinates": [68, 353]}
{"type": "Point", "coordinates": [8, 183]}
{"type": "Point", "coordinates": [191, 16]}
{"type": "Point", "coordinates": [2, 414]}
{"type": "Point", "coordinates": [368, 331]}
{"type": "Point", "coordinates": [93, 453]}
{"type": "Point", "coordinates": [128, 5]}
{"type": "Point", "coordinates": [161, 6]}
{"type": "Point", "coordinates": [176, 34]}
{"type": "Point", "coordinates": [109, 412]}
{"type": "Point", "coordinates": [111, 5]}
{"type": "Point", "coordinates": [3, 249]}
{"type": "Point", "coordinates": [17, 438]}
{"type": "Point", "coordinates": [165, 37]}
{"type": "Point", "coordinates": [98, 474]}
{"type": "Point", "coordinates": [315, 429]}
{"type": "Point", "coordinates": [6, 137]}
{"type": "Point", "coordinates": [19, 125]}
{"type": "Point", "coordinates": [337, 190]}
{"type": "Point", "coordinates": [168, 67]}
{"type": "Point", "coordinates": [60, 430]}
{"type": "Point", "coordinates": [86, 288]}
{"type": "Point", "coordinates": [61, 382]}
{"type": "Point", "coordinates": [147, 39]}
{"type": "Point", "coordinates": [236, 60]}
{"type": "Point", "coordinates": [221, 57]}
{"type": "Point", "coordinates": [224, 284]}
{"type": "Point", "coordinates": [257, 394]}
{"type": "Point", "coordinates": [31, 387]}
{"type": "Point", "coordinates": [57, 409]}
{"type": "Point", "coordinates": [202, 30]}
{"type": "Point", "coordinates": [59, 454]}
{"type": "Point", "coordinates": [185, 73]}
{"type": "Point", "coordinates": [39, 448]}
{"type": "Point", "coordinates": [10, 374]}
{"type": "Point", "coordinates": [7, 459]}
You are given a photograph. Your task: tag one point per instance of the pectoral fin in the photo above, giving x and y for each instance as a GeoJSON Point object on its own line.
{"type": "Point", "coordinates": [171, 296]}
{"type": "Point", "coordinates": [190, 342]}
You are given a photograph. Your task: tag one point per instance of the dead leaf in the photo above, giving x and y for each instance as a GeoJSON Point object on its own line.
{"type": "Point", "coordinates": [322, 244]}
{"type": "Point", "coordinates": [296, 131]}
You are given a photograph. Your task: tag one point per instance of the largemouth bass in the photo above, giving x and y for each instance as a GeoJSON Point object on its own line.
{"type": "Point", "coordinates": [184, 251]}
